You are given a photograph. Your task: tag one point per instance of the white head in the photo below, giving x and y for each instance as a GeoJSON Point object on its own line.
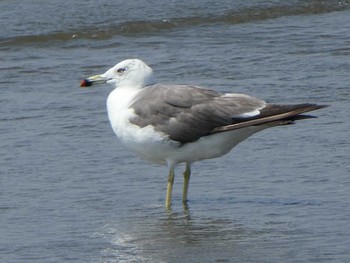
{"type": "Point", "coordinates": [130, 73]}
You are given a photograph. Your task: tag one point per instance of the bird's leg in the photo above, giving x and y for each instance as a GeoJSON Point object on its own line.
{"type": "Point", "coordinates": [170, 187]}
{"type": "Point", "coordinates": [187, 175]}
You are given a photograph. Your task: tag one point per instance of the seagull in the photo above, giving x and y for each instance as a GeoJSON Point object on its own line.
{"type": "Point", "coordinates": [173, 124]}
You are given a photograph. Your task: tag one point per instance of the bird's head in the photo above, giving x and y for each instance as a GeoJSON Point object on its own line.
{"type": "Point", "coordinates": [130, 73]}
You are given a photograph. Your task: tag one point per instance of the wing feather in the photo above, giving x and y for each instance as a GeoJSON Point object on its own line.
{"type": "Point", "coordinates": [187, 113]}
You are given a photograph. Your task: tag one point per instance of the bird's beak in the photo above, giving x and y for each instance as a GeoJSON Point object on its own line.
{"type": "Point", "coordinates": [93, 80]}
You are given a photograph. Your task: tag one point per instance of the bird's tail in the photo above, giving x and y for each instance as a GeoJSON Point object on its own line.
{"type": "Point", "coordinates": [274, 114]}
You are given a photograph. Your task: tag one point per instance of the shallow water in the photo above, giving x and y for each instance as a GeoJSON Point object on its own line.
{"type": "Point", "coordinates": [69, 192]}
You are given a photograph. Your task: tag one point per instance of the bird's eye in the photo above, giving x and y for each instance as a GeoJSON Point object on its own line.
{"type": "Point", "coordinates": [121, 70]}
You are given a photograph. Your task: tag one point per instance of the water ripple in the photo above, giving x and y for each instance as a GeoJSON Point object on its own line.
{"type": "Point", "coordinates": [137, 27]}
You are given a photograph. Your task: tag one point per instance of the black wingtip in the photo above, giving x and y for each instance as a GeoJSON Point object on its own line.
{"type": "Point", "coordinates": [274, 114]}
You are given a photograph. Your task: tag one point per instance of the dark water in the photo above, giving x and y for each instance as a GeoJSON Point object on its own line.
{"type": "Point", "coordinates": [69, 192]}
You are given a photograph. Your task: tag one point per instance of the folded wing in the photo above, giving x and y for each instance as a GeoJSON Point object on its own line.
{"type": "Point", "coordinates": [187, 113]}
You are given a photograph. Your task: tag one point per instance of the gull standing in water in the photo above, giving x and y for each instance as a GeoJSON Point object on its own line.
{"type": "Point", "coordinates": [173, 124]}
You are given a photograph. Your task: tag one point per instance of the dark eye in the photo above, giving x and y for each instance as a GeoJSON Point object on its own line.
{"type": "Point", "coordinates": [121, 70]}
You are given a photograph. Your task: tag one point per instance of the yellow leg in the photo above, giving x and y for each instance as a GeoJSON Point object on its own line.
{"type": "Point", "coordinates": [187, 175]}
{"type": "Point", "coordinates": [169, 187]}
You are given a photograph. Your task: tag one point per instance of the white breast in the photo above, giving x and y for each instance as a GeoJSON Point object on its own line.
{"type": "Point", "coordinates": [119, 113]}
{"type": "Point", "coordinates": [146, 142]}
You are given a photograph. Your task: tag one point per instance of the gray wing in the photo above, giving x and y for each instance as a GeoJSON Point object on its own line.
{"type": "Point", "coordinates": [187, 113]}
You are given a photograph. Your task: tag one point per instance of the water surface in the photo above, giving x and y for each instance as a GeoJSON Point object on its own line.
{"type": "Point", "coordinates": [69, 192]}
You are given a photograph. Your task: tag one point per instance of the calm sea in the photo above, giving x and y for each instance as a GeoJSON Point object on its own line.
{"type": "Point", "coordinates": [69, 192]}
